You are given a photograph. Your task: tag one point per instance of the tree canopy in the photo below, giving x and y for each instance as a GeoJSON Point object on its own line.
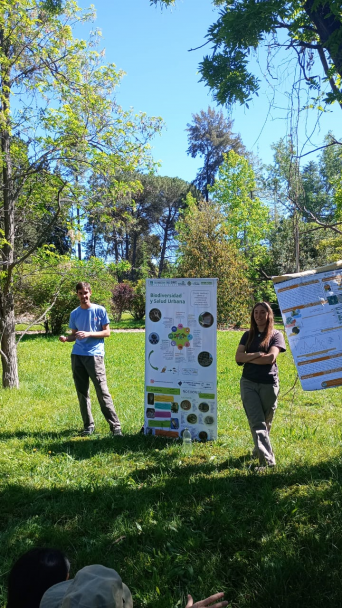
{"type": "Point", "coordinates": [210, 136]}
{"type": "Point", "coordinates": [205, 251]}
{"type": "Point", "coordinates": [64, 126]}
{"type": "Point", "coordinates": [312, 29]}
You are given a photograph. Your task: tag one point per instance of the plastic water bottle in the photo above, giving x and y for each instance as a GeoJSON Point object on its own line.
{"type": "Point", "coordinates": [187, 443]}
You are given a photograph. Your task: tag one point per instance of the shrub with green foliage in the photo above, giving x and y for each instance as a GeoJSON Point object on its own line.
{"type": "Point", "coordinates": [204, 251]}
{"type": "Point", "coordinates": [122, 297]}
{"type": "Point", "coordinates": [51, 279]}
{"type": "Point", "coordinates": [138, 303]}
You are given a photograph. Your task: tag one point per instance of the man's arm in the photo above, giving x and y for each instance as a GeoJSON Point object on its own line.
{"type": "Point", "coordinates": [104, 333]}
{"type": "Point", "coordinates": [70, 338]}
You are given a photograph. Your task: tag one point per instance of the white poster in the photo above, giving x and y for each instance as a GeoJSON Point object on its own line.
{"type": "Point", "coordinates": [311, 307]}
{"type": "Point", "coordinates": [180, 358]}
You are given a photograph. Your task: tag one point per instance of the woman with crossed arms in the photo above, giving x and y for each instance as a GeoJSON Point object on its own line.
{"type": "Point", "coordinates": [257, 352]}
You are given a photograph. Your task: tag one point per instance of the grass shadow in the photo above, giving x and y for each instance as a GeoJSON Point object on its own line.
{"type": "Point", "coordinates": [242, 528]}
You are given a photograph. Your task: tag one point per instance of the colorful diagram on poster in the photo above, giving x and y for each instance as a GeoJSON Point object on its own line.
{"type": "Point", "coordinates": [180, 336]}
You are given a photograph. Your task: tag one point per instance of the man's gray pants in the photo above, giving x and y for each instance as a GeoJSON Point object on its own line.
{"type": "Point", "coordinates": [260, 403]}
{"type": "Point", "coordinates": [84, 368]}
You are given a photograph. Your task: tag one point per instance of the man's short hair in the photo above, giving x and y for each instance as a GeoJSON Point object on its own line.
{"type": "Point", "coordinates": [82, 285]}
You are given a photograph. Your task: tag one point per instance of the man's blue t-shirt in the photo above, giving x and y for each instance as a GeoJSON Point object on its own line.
{"type": "Point", "coordinates": [89, 319]}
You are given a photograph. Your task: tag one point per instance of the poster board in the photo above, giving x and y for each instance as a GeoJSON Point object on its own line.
{"type": "Point", "coordinates": [311, 307]}
{"type": "Point", "coordinates": [181, 358]}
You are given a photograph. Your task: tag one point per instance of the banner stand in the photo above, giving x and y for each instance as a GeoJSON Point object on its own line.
{"type": "Point", "coordinates": [181, 358]}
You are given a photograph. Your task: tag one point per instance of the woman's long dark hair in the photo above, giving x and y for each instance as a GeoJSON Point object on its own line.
{"type": "Point", "coordinates": [269, 329]}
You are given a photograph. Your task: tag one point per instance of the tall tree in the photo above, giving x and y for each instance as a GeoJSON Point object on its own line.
{"type": "Point", "coordinates": [170, 197]}
{"type": "Point", "coordinates": [65, 112]}
{"type": "Point", "coordinates": [205, 251]}
{"type": "Point", "coordinates": [247, 218]}
{"type": "Point", "coordinates": [210, 136]}
{"type": "Point", "coordinates": [307, 215]}
{"type": "Point", "coordinates": [140, 227]}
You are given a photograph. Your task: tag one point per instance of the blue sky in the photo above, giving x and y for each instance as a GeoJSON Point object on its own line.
{"type": "Point", "coordinates": [151, 46]}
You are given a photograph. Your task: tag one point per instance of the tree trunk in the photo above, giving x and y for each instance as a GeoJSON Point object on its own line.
{"type": "Point", "coordinates": [10, 377]}
{"type": "Point", "coordinates": [116, 248]}
{"type": "Point", "coordinates": [79, 248]}
{"type": "Point", "coordinates": [329, 28]}
{"type": "Point", "coordinates": [165, 238]}
{"type": "Point", "coordinates": [296, 239]}
{"type": "Point", "coordinates": [134, 255]}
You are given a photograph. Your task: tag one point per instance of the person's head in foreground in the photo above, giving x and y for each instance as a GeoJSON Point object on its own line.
{"type": "Point", "coordinates": [33, 573]}
{"type": "Point", "coordinates": [100, 587]}
{"type": "Point", "coordinates": [93, 587]}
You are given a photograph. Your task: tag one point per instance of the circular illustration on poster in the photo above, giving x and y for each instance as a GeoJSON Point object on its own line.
{"type": "Point", "coordinates": [153, 338]}
{"type": "Point", "coordinates": [206, 319]}
{"type": "Point", "coordinates": [203, 407]}
{"type": "Point", "coordinates": [155, 315]}
{"type": "Point", "coordinates": [180, 336]}
{"type": "Point", "coordinates": [205, 359]}
{"type": "Point", "coordinates": [209, 420]}
{"type": "Point", "coordinates": [186, 405]}
{"type": "Point", "coordinates": [203, 436]}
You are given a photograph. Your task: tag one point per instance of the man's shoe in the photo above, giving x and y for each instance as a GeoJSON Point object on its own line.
{"type": "Point", "coordinates": [117, 433]}
{"type": "Point", "coordinates": [86, 432]}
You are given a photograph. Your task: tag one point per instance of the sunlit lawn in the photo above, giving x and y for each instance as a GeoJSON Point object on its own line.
{"type": "Point", "coordinates": [127, 322]}
{"type": "Point", "coordinates": [171, 525]}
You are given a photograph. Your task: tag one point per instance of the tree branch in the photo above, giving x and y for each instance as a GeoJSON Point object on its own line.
{"type": "Point", "coordinates": [263, 273]}
{"type": "Point", "coordinates": [333, 143]}
{"type": "Point", "coordinates": [40, 239]}
{"type": "Point", "coordinates": [324, 62]}
{"type": "Point", "coordinates": [199, 47]}
{"type": "Point", "coordinates": [43, 316]}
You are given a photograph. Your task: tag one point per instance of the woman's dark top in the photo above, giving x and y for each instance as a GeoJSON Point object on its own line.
{"type": "Point", "coordinates": [264, 374]}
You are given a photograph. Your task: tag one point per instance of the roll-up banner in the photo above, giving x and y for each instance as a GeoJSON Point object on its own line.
{"type": "Point", "coordinates": [181, 358]}
{"type": "Point", "coordinates": [311, 307]}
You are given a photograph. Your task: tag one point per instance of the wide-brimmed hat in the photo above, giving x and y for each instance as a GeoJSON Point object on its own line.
{"type": "Point", "coordinates": [93, 587]}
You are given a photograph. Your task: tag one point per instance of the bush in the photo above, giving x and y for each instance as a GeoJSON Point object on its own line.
{"type": "Point", "coordinates": [138, 303]}
{"type": "Point", "coordinates": [205, 251]}
{"type": "Point", "coordinates": [48, 275]}
{"type": "Point", "coordinates": [122, 297]}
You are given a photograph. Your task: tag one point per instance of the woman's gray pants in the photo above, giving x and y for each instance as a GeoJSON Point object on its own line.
{"type": "Point", "coordinates": [83, 368]}
{"type": "Point", "coordinates": [260, 403]}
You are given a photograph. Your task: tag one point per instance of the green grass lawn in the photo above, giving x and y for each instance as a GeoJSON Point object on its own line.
{"type": "Point", "coordinates": [127, 322]}
{"type": "Point", "coordinates": [172, 525]}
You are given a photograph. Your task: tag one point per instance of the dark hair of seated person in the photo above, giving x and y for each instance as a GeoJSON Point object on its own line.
{"type": "Point", "coordinates": [33, 574]}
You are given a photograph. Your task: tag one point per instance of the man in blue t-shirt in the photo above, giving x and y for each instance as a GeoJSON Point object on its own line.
{"type": "Point", "coordinates": [89, 324]}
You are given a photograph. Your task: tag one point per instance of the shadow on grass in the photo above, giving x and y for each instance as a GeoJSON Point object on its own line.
{"type": "Point", "coordinates": [37, 336]}
{"type": "Point", "coordinates": [36, 435]}
{"type": "Point", "coordinates": [269, 540]}
{"type": "Point", "coordinates": [81, 448]}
